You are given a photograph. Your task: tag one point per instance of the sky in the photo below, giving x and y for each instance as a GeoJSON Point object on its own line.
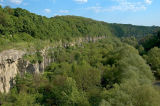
{"type": "Point", "coordinates": [137, 12]}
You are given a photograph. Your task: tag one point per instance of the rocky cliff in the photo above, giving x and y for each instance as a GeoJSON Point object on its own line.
{"type": "Point", "coordinates": [12, 62]}
{"type": "Point", "coordinates": [8, 68]}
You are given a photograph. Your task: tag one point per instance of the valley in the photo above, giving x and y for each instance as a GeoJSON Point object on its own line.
{"type": "Point", "coordinates": [76, 61]}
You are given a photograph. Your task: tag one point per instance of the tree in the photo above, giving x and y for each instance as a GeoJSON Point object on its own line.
{"type": "Point", "coordinates": [86, 77]}
{"type": "Point", "coordinates": [159, 34]}
{"type": "Point", "coordinates": [153, 59]}
{"type": "Point", "coordinates": [62, 91]}
{"type": "Point", "coordinates": [130, 40]}
{"type": "Point", "coordinates": [132, 93]}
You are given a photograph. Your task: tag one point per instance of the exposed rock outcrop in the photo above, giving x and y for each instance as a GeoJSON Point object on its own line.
{"type": "Point", "coordinates": [8, 68]}
{"type": "Point", "coordinates": [12, 62]}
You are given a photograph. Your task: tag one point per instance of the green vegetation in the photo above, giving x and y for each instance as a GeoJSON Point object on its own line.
{"type": "Point", "coordinates": [150, 41]}
{"type": "Point", "coordinates": [148, 47]}
{"type": "Point", "coordinates": [105, 73]}
{"type": "Point", "coordinates": [34, 58]}
{"type": "Point", "coordinates": [127, 30]}
{"type": "Point", "coordinates": [110, 72]}
{"type": "Point", "coordinates": [20, 28]}
{"type": "Point", "coordinates": [153, 59]}
{"type": "Point", "coordinates": [54, 28]}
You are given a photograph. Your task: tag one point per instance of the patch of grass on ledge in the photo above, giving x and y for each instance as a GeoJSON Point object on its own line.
{"type": "Point", "coordinates": [22, 42]}
{"type": "Point", "coordinates": [33, 58]}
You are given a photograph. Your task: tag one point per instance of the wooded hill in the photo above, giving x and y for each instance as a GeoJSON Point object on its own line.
{"type": "Point", "coordinates": [20, 24]}
{"type": "Point", "coordinates": [110, 72]}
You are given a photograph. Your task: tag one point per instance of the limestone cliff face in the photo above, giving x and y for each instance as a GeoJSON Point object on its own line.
{"type": "Point", "coordinates": [8, 68]}
{"type": "Point", "coordinates": [12, 63]}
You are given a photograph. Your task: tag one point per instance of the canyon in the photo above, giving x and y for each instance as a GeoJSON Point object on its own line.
{"type": "Point", "coordinates": [12, 62]}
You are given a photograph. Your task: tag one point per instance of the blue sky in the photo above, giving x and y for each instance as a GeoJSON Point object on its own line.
{"type": "Point", "coordinates": [138, 12]}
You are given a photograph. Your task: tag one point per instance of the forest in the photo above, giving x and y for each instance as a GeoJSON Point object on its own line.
{"type": "Point", "coordinates": [18, 27]}
{"type": "Point", "coordinates": [119, 70]}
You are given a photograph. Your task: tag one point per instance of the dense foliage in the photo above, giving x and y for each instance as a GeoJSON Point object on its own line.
{"type": "Point", "coordinates": [150, 41]}
{"type": "Point", "coordinates": [18, 27]}
{"type": "Point", "coordinates": [148, 47]}
{"type": "Point", "coordinates": [127, 30]}
{"type": "Point", "coordinates": [105, 73]}
{"type": "Point", "coordinates": [15, 21]}
{"type": "Point", "coordinates": [153, 59]}
{"type": "Point", "coordinates": [109, 72]}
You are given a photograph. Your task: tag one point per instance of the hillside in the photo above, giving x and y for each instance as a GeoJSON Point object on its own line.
{"type": "Point", "coordinates": [22, 21]}
{"type": "Point", "coordinates": [106, 72]}
{"type": "Point", "coordinates": [127, 30]}
{"type": "Point", "coordinates": [76, 61]}
{"type": "Point", "coordinates": [19, 24]}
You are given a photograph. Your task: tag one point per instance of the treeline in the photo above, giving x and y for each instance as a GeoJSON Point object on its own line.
{"type": "Point", "coordinates": [21, 29]}
{"type": "Point", "coordinates": [106, 73]}
{"type": "Point", "coordinates": [24, 25]}
{"type": "Point", "coordinates": [150, 41]}
{"type": "Point", "coordinates": [128, 30]}
{"type": "Point", "coordinates": [18, 21]}
{"type": "Point", "coordinates": [110, 72]}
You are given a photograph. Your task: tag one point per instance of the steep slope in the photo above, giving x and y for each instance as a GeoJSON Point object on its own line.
{"type": "Point", "coordinates": [13, 62]}
{"type": "Point", "coordinates": [20, 28]}
{"type": "Point", "coordinates": [60, 27]}
{"type": "Point", "coordinates": [15, 22]}
{"type": "Point", "coordinates": [104, 73]}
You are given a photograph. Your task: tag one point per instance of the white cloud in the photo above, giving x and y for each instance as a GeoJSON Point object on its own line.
{"type": "Point", "coordinates": [125, 5]}
{"type": "Point", "coordinates": [47, 10]}
{"type": "Point", "coordinates": [16, 1]}
{"type": "Point", "coordinates": [148, 1]}
{"type": "Point", "coordinates": [122, 5]}
{"type": "Point", "coordinates": [1, 4]}
{"type": "Point", "coordinates": [64, 11]}
{"type": "Point", "coordinates": [81, 1]}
